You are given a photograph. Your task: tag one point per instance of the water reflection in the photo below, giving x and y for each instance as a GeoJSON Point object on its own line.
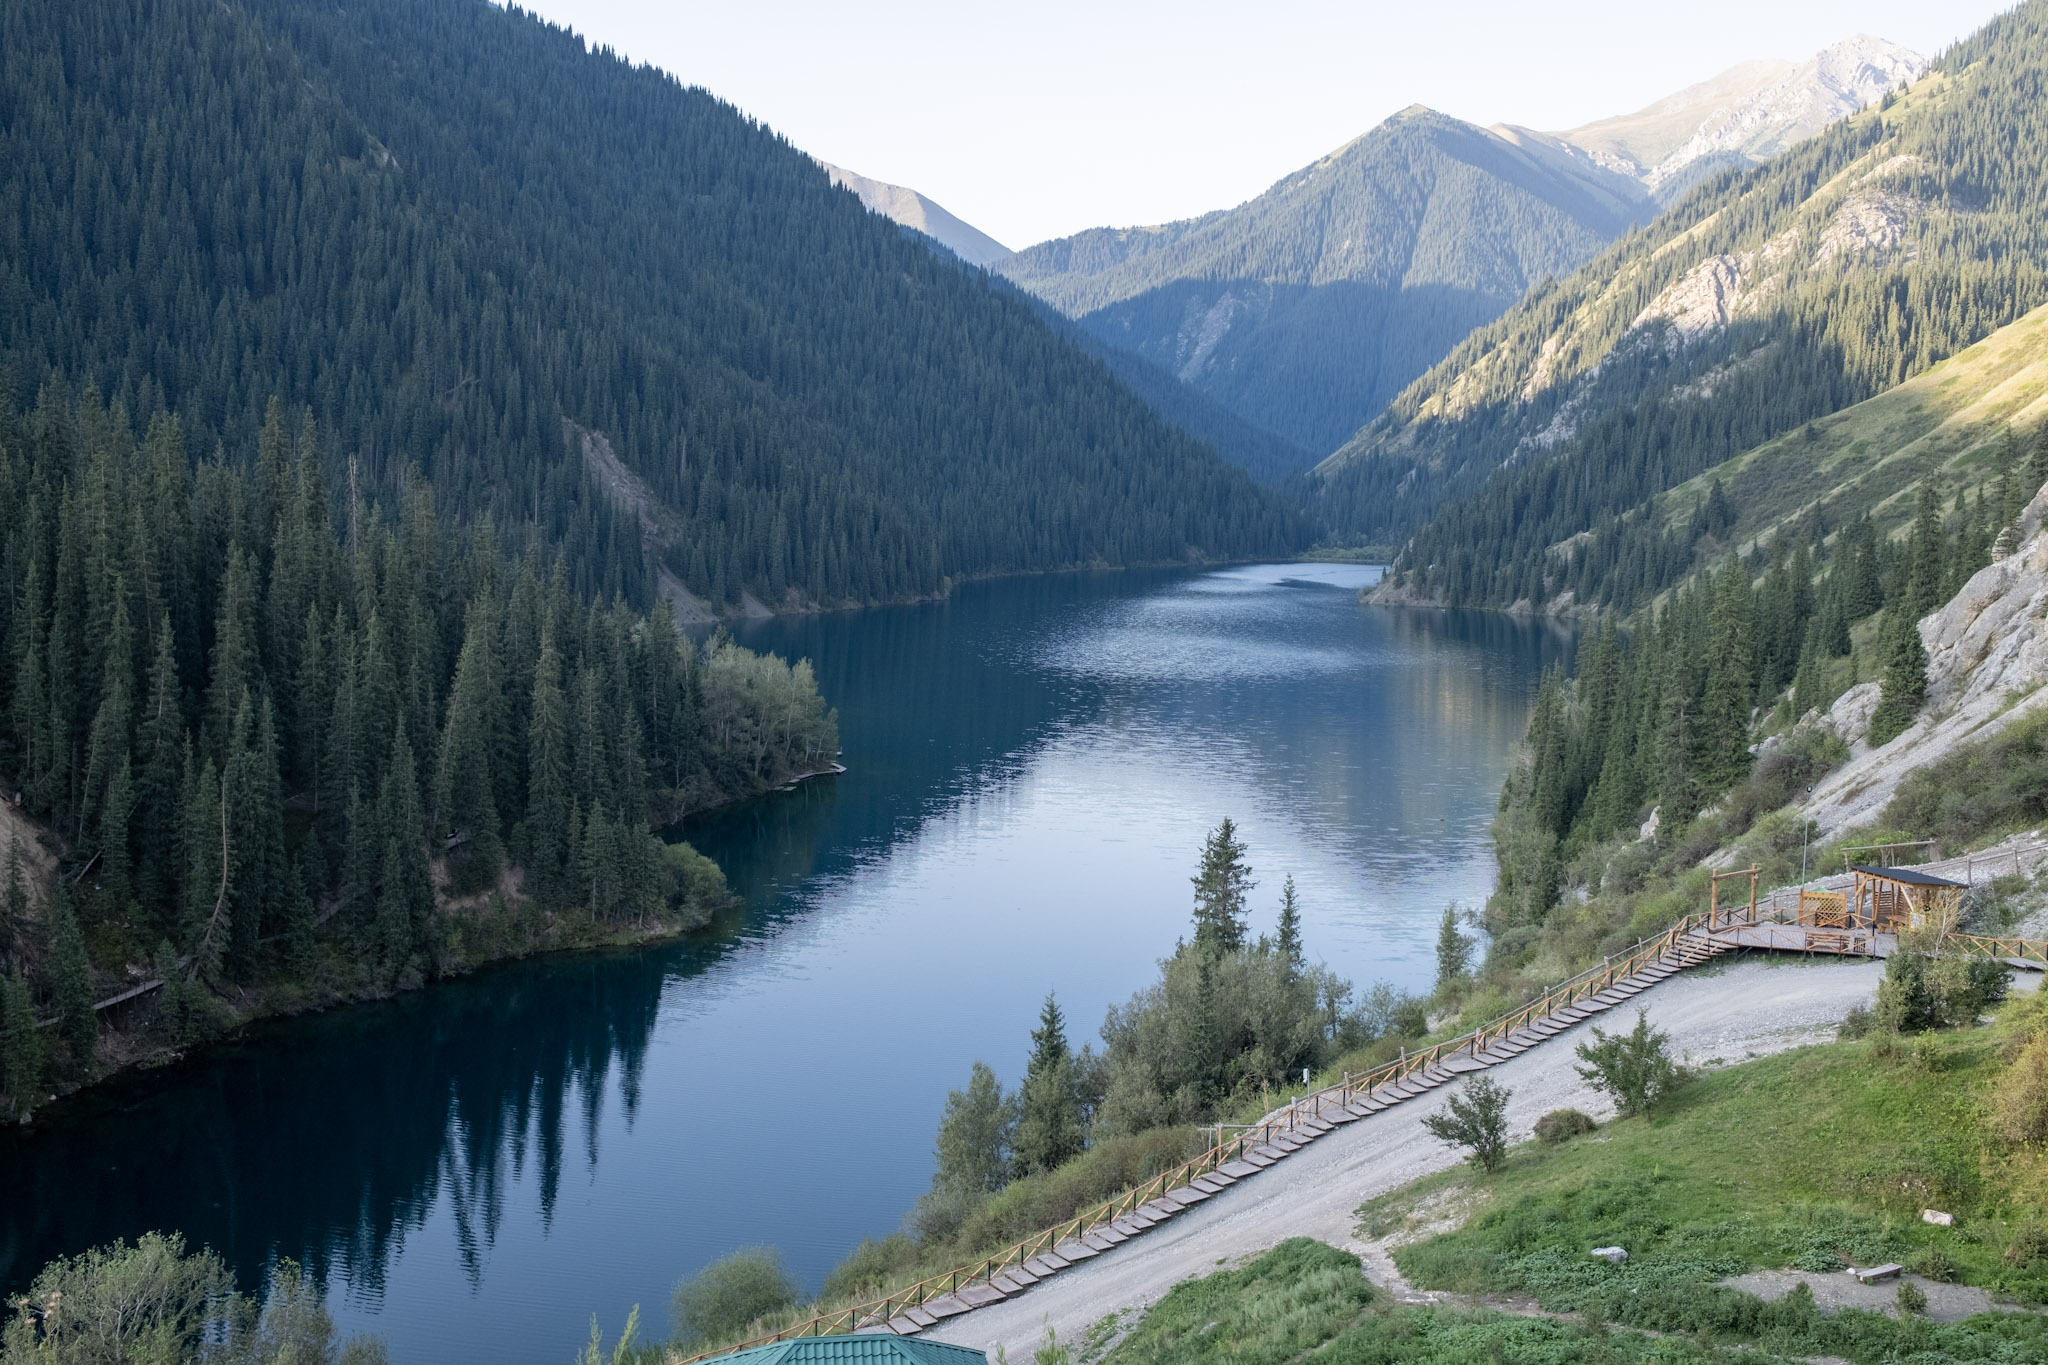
{"type": "Point", "coordinates": [476, 1168]}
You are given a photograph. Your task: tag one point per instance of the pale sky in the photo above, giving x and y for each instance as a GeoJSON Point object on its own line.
{"type": "Point", "coordinates": [1034, 120]}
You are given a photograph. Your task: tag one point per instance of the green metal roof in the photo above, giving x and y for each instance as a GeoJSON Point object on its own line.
{"type": "Point", "coordinates": [867, 1348]}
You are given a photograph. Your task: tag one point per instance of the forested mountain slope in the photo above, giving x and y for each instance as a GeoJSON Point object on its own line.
{"type": "Point", "coordinates": [1762, 301]}
{"type": "Point", "coordinates": [1308, 307]}
{"type": "Point", "coordinates": [446, 227]}
{"type": "Point", "coordinates": [1965, 427]}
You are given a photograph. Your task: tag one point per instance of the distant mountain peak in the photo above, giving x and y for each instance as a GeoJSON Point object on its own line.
{"type": "Point", "coordinates": [1746, 114]}
{"type": "Point", "coordinates": [913, 210]}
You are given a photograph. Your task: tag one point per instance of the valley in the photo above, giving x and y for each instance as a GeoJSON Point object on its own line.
{"type": "Point", "coordinates": [620, 742]}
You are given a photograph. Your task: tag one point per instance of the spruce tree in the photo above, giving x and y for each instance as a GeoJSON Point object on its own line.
{"type": "Point", "coordinates": [464, 784]}
{"type": "Point", "coordinates": [1049, 1128]}
{"type": "Point", "coordinates": [1201, 1040]}
{"type": "Point", "coordinates": [1288, 941]}
{"type": "Point", "coordinates": [21, 1044]}
{"type": "Point", "coordinates": [1220, 889]}
{"type": "Point", "coordinates": [1724, 711]}
{"type": "Point", "coordinates": [1928, 554]}
{"type": "Point", "coordinates": [547, 796]}
{"type": "Point", "coordinates": [405, 890]}
{"type": "Point", "coordinates": [1904, 684]}
{"type": "Point", "coordinates": [71, 989]}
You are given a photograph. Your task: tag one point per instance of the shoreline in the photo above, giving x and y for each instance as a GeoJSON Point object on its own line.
{"type": "Point", "coordinates": [553, 935]}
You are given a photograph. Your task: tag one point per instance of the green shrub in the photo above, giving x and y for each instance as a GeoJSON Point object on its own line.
{"type": "Point", "coordinates": [1561, 1124]}
{"type": "Point", "coordinates": [1933, 1262]}
{"type": "Point", "coordinates": [1911, 1298]}
{"type": "Point", "coordinates": [731, 1294]}
{"type": "Point", "coordinates": [871, 1268]}
{"type": "Point", "coordinates": [1635, 1069]}
{"type": "Point", "coordinates": [1857, 1023]}
{"type": "Point", "coordinates": [2027, 1246]}
{"type": "Point", "coordinates": [1476, 1118]}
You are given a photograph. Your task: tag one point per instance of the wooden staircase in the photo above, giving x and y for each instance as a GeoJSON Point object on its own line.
{"type": "Point", "coordinates": [1262, 1145]}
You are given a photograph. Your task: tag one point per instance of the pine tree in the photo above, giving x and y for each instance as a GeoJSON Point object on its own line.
{"type": "Point", "coordinates": [1049, 1128]}
{"type": "Point", "coordinates": [547, 797]}
{"type": "Point", "coordinates": [1904, 685]}
{"type": "Point", "coordinates": [71, 985]}
{"type": "Point", "coordinates": [1288, 943]}
{"type": "Point", "coordinates": [1220, 889]}
{"type": "Point", "coordinates": [405, 891]}
{"type": "Point", "coordinates": [1724, 711]}
{"type": "Point", "coordinates": [1201, 1040]}
{"type": "Point", "coordinates": [21, 1044]}
{"type": "Point", "coordinates": [464, 785]}
{"type": "Point", "coordinates": [1928, 553]}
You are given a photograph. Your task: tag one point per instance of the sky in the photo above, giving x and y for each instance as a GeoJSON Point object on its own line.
{"type": "Point", "coordinates": [1036, 120]}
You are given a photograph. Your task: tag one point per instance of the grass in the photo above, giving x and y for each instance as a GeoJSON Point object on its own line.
{"type": "Point", "coordinates": [1807, 1159]}
{"type": "Point", "coordinates": [1305, 1301]}
{"type": "Point", "coordinates": [1803, 1160]}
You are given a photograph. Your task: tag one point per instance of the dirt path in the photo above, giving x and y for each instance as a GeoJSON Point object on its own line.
{"type": "Point", "coordinates": [1716, 1014]}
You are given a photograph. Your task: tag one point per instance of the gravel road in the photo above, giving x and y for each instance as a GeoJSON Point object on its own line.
{"type": "Point", "coordinates": [1714, 1014]}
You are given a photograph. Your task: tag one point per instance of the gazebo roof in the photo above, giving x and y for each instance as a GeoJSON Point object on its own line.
{"type": "Point", "coordinates": [1908, 875]}
{"type": "Point", "coordinates": [865, 1348]}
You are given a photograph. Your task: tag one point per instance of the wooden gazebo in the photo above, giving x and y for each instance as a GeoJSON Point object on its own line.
{"type": "Point", "coordinates": [1886, 900]}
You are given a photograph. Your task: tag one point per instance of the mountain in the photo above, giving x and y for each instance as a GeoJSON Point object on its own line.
{"type": "Point", "coordinates": [1305, 309]}
{"type": "Point", "coordinates": [1763, 300]}
{"type": "Point", "coordinates": [467, 242]}
{"type": "Point", "coordinates": [1746, 115]}
{"type": "Point", "coordinates": [913, 210]}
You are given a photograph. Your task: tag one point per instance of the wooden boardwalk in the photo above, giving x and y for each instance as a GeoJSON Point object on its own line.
{"type": "Point", "coordinates": [1767, 926]}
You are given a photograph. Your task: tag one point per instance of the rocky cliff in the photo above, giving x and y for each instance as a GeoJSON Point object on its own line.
{"type": "Point", "coordinates": [1987, 656]}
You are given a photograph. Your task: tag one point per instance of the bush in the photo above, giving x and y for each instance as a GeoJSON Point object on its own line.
{"type": "Point", "coordinates": [693, 885]}
{"type": "Point", "coordinates": [2019, 1103]}
{"type": "Point", "coordinates": [871, 1268]}
{"type": "Point", "coordinates": [1635, 1069]}
{"type": "Point", "coordinates": [2028, 1245]}
{"type": "Point", "coordinates": [1922, 991]}
{"type": "Point", "coordinates": [732, 1294]}
{"type": "Point", "coordinates": [1933, 1262]}
{"type": "Point", "coordinates": [155, 1302]}
{"type": "Point", "coordinates": [1857, 1023]}
{"type": "Point", "coordinates": [1560, 1125]}
{"type": "Point", "coordinates": [1911, 1299]}
{"type": "Point", "coordinates": [1476, 1118]}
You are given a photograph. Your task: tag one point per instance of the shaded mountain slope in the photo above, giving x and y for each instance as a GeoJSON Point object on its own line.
{"type": "Point", "coordinates": [445, 227]}
{"type": "Point", "coordinates": [1762, 301]}
{"type": "Point", "coordinates": [1304, 309]}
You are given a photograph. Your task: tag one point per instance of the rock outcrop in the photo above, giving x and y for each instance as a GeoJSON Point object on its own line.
{"type": "Point", "coordinates": [1987, 656]}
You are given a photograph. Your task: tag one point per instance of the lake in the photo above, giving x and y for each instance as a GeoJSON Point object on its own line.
{"type": "Point", "coordinates": [478, 1167]}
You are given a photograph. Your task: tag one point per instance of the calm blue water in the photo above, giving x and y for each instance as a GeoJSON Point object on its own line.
{"type": "Point", "coordinates": [480, 1166]}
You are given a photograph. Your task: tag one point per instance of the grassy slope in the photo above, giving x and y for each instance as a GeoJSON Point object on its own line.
{"type": "Point", "coordinates": [1794, 1160]}
{"type": "Point", "coordinates": [1950, 422]}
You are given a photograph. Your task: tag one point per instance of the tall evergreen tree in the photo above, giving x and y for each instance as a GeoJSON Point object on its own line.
{"type": "Point", "coordinates": [1288, 941]}
{"type": "Point", "coordinates": [1221, 886]}
{"type": "Point", "coordinates": [1453, 949]}
{"type": "Point", "coordinates": [71, 985]}
{"type": "Point", "coordinates": [1049, 1126]}
{"type": "Point", "coordinates": [21, 1044]}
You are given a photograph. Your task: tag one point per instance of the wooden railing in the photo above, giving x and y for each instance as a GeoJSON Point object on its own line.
{"type": "Point", "coordinates": [2025, 949]}
{"type": "Point", "coordinates": [1349, 1090]}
